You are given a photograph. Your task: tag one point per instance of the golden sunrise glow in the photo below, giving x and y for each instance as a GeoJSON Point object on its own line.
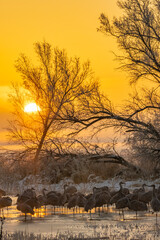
{"type": "Point", "coordinates": [22, 26]}
{"type": "Point", "coordinates": [31, 107]}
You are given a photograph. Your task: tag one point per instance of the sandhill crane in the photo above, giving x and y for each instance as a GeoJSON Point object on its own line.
{"type": "Point", "coordinates": [118, 195]}
{"type": "Point", "coordinates": [102, 198]}
{"type": "Point", "coordinates": [26, 195]}
{"type": "Point", "coordinates": [33, 202]}
{"type": "Point", "coordinates": [158, 192]}
{"type": "Point", "coordinates": [42, 198]}
{"type": "Point", "coordinates": [5, 202]}
{"type": "Point", "coordinates": [133, 196]}
{"type": "Point", "coordinates": [25, 208]}
{"type": "Point", "coordinates": [81, 201]}
{"type": "Point", "coordinates": [69, 189]}
{"type": "Point", "coordinates": [76, 199]}
{"type": "Point", "coordinates": [53, 200]}
{"type": "Point", "coordinates": [122, 203]}
{"type": "Point", "coordinates": [112, 192]}
{"type": "Point", "coordinates": [141, 189]}
{"type": "Point", "coordinates": [136, 193]}
{"type": "Point", "coordinates": [63, 199]}
{"type": "Point", "coordinates": [145, 197]}
{"type": "Point", "coordinates": [29, 197]}
{"type": "Point", "coordinates": [125, 191]}
{"type": "Point", "coordinates": [90, 203]}
{"type": "Point", "coordinates": [30, 193]}
{"type": "Point", "coordinates": [22, 198]}
{"type": "Point", "coordinates": [136, 206]}
{"type": "Point", "coordinates": [155, 203]}
{"type": "Point", "coordinates": [72, 202]}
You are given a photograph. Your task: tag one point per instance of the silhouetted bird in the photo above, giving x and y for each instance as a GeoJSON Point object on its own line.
{"type": "Point", "coordinates": [90, 203]}
{"type": "Point", "coordinates": [137, 206]}
{"type": "Point", "coordinates": [155, 203]}
{"type": "Point", "coordinates": [5, 202]}
{"type": "Point", "coordinates": [70, 189]}
{"type": "Point", "coordinates": [81, 201]}
{"type": "Point", "coordinates": [118, 195]}
{"type": "Point", "coordinates": [102, 198]}
{"type": "Point", "coordinates": [122, 203]}
{"type": "Point", "coordinates": [72, 203]}
{"type": "Point", "coordinates": [30, 193]}
{"type": "Point", "coordinates": [42, 198]}
{"type": "Point", "coordinates": [141, 189]}
{"type": "Point", "coordinates": [25, 208]}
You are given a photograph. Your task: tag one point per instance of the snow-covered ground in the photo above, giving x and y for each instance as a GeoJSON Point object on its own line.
{"type": "Point", "coordinates": [82, 187]}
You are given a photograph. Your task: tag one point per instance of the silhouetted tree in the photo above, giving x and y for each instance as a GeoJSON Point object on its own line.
{"type": "Point", "coordinates": [137, 33]}
{"type": "Point", "coordinates": [54, 84]}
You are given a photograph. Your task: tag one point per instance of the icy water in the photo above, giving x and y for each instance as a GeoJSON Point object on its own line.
{"type": "Point", "coordinates": [107, 224]}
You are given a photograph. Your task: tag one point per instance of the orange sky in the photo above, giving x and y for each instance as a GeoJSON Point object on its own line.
{"type": "Point", "coordinates": [68, 24]}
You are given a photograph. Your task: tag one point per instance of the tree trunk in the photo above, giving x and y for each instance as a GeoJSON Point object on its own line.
{"type": "Point", "coordinates": [35, 160]}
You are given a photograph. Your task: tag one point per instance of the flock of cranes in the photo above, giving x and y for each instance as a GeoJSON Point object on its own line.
{"type": "Point", "coordinates": [137, 200]}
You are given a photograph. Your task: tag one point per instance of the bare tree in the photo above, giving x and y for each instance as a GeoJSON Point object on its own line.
{"type": "Point", "coordinates": [137, 33]}
{"type": "Point", "coordinates": [54, 85]}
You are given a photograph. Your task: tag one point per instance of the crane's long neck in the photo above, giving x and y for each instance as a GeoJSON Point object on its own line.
{"type": "Point", "coordinates": [143, 187]}
{"type": "Point", "coordinates": [154, 192]}
{"type": "Point", "coordinates": [44, 192]}
{"type": "Point", "coordinates": [121, 188]}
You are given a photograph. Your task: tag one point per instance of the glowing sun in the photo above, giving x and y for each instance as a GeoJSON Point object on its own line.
{"type": "Point", "coordinates": [31, 107]}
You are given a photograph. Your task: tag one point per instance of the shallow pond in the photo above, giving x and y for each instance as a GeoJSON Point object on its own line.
{"type": "Point", "coordinates": [108, 223]}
